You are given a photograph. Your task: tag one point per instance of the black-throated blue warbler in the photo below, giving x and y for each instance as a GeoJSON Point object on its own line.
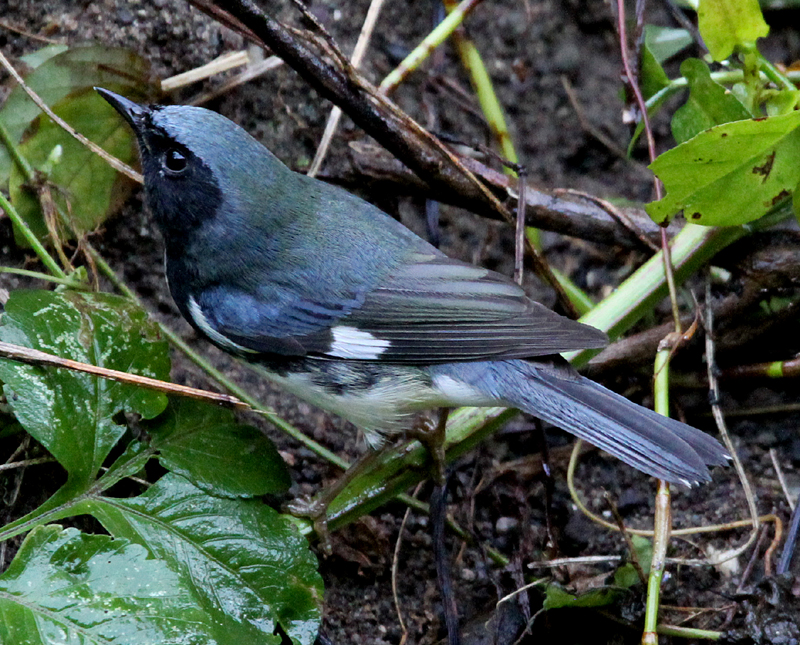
{"type": "Point", "coordinates": [351, 311]}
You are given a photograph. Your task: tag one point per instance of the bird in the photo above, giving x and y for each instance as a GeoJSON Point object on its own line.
{"type": "Point", "coordinates": [349, 310]}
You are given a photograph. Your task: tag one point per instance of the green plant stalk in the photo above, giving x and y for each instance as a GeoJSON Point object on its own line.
{"type": "Point", "coordinates": [16, 155]}
{"type": "Point", "coordinates": [404, 466]}
{"type": "Point", "coordinates": [661, 382]}
{"type": "Point", "coordinates": [27, 233]}
{"type": "Point", "coordinates": [691, 249]}
{"type": "Point", "coordinates": [724, 78]}
{"type": "Point", "coordinates": [66, 500]}
{"type": "Point", "coordinates": [579, 298]}
{"type": "Point", "coordinates": [435, 38]}
{"type": "Point", "coordinates": [688, 632]}
{"type": "Point", "coordinates": [775, 75]}
{"type": "Point", "coordinates": [487, 98]}
{"type": "Point", "coordinates": [662, 521]}
{"type": "Point", "coordinates": [67, 282]}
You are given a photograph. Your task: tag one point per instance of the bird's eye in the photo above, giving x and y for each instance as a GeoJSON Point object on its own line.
{"type": "Point", "coordinates": [175, 161]}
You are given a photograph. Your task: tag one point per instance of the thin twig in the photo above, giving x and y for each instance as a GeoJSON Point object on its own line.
{"type": "Point", "coordinates": [519, 246]}
{"type": "Point", "coordinates": [395, 568]}
{"type": "Point", "coordinates": [714, 395]}
{"type": "Point", "coordinates": [625, 536]}
{"type": "Point", "coordinates": [25, 463]}
{"type": "Point", "coordinates": [336, 113]}
{"type": "Point", "coordinates": [227, 61]}
{"type": "Point", "coordinates": [773, 455]}
{"type": "Point", "coordinates": [36, 357]}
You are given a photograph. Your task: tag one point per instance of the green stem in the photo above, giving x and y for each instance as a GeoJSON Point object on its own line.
{"type": "Point", "coordinates": [29, 236]}
{"type": "Point", "coordinates": [435, 38]}
{"type": "Point", "coordinates": [691, 249]}
{"type": "Point", "coordinates": [13, 150]}
{"type": "Point", "coordinates": [688, 632]}
{"type": "Point", "coordinates": [44, 276]}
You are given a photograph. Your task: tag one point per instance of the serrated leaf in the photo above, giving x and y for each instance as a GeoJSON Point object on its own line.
{"type": "Point", "coordinates": [71, 413]}
{"type": "Point", "coordinates": [77, 69]}
{"type": "Point", "coordinates": [726, 24]}
{"type": "Point", "coordinates": [86, 188]}
{"type": "Point", "coordinates": [206, 445]}
{"type": "Point", "coordinates": [709, 103]}
{"type": "Point", "coordinates": [248, 566]}
{"type": "Point", "coordinates": [731, 174]}
{"type": "Point", "coordinates": [65, 587]}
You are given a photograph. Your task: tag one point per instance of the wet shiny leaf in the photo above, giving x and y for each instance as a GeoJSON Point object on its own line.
{"type": "Point", "coordinates": [70, 413]}
{"type": "Point", "coordinates": [67, 587]}
{"type": "Point", "coordinates": [248, 566]}
{"type": "Point", "coordinates": [204, 443]}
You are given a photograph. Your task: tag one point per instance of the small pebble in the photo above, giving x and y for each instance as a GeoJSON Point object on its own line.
{"type": "Point", "coordinates": [506, 524]}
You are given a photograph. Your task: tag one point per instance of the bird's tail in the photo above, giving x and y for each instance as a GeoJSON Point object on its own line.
{"type": "Point", "coordinates": [554, 392]}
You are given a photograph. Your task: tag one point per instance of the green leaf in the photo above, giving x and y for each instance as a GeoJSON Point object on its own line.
{"type": "Point", "coordinates": [727, 24]}
{"type": "Point", "coordinates": [709, 103]}
{"type": "Point", "coordinates": [87, 188]}
{"type": "Point", "coordinates": [67, 587]}
{"type": "Point", "coordinates": [557, 597]}
{"type": "Point", "coordinates": [35, 59]}
{"type": "Point", "coordinates": [654, 78]}
{"type": "Point", "coordinates": [78, 69]}
{"type": "Point", "coordinates": [730, 174]}
{"type": "Point", "coordinates": [204, 443]}
{"type": "Point", "coordinates": [782, 101]}
{"type": "Point", "coordinates": [665, 42]}
{"type": "Point", "coordinates": [71, 413]}
{"type": "Point", "coordinates": [248, 566]}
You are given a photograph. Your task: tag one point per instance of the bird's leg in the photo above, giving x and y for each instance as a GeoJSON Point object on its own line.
{"type": "Point", "coordinates": [316, 509]}
{"type": "Point", "coordinates": [433, 438]}
{"type": "Point", "coordinates": [429, 435]}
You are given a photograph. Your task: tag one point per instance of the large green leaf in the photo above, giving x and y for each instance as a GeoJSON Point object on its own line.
{"type": "Point", "coordinates": [732, 173]}
{"type": "Point", "coordinates": [71, 413]}
{"type": "Point", "coordinates": [86, 188]}
{"type": "Point", "coordinates": [67, 588]}
{"type": "Point", "coordinates": [204, 443]}
{"type": "Point", "coordinates": [77, 69]}
{"type": "Point", "coordinates": [709, 103]}
{"type": "Point", "coordinates": [248, 566]}
{"type": "Point", "coordinates": [726, 24]}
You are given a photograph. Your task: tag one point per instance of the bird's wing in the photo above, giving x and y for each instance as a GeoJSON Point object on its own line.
{"type": "Point", "coordinates": [431, 309]}
{"type": "Point", "coordinates": [443, 310]}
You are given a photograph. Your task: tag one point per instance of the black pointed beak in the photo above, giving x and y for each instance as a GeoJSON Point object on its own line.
{"type": "Point", "coordinates": [132, 112]}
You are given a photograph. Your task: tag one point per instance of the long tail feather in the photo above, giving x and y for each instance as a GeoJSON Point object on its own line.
{"type": "Point", "coordinates": [650, 442]}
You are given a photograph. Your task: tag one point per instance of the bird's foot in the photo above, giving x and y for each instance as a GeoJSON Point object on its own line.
{"type": "Point", "coordinates": [432, 436]}
{"type": "Point", "coordinates": [315, 510]}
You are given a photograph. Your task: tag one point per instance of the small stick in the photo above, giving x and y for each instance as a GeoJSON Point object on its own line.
{"type": "Point", "coordinates": [36, 357]}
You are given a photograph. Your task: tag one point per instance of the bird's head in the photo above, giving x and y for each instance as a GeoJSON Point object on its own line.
{"type": "Point", "coordinates": [196, 163]}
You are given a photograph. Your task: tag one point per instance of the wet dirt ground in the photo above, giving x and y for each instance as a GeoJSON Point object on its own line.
{"type": "Point", "coordinates": [535, 52]}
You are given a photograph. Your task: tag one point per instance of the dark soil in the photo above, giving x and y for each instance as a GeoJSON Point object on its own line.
{"type": "Point", "coordinates": [531, 49]}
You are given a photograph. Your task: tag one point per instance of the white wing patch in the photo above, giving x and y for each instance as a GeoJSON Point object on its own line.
{"type": "Point", "coordinates": [223, 341]}
{"type": "Point", "coordinates": [349, 342]}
